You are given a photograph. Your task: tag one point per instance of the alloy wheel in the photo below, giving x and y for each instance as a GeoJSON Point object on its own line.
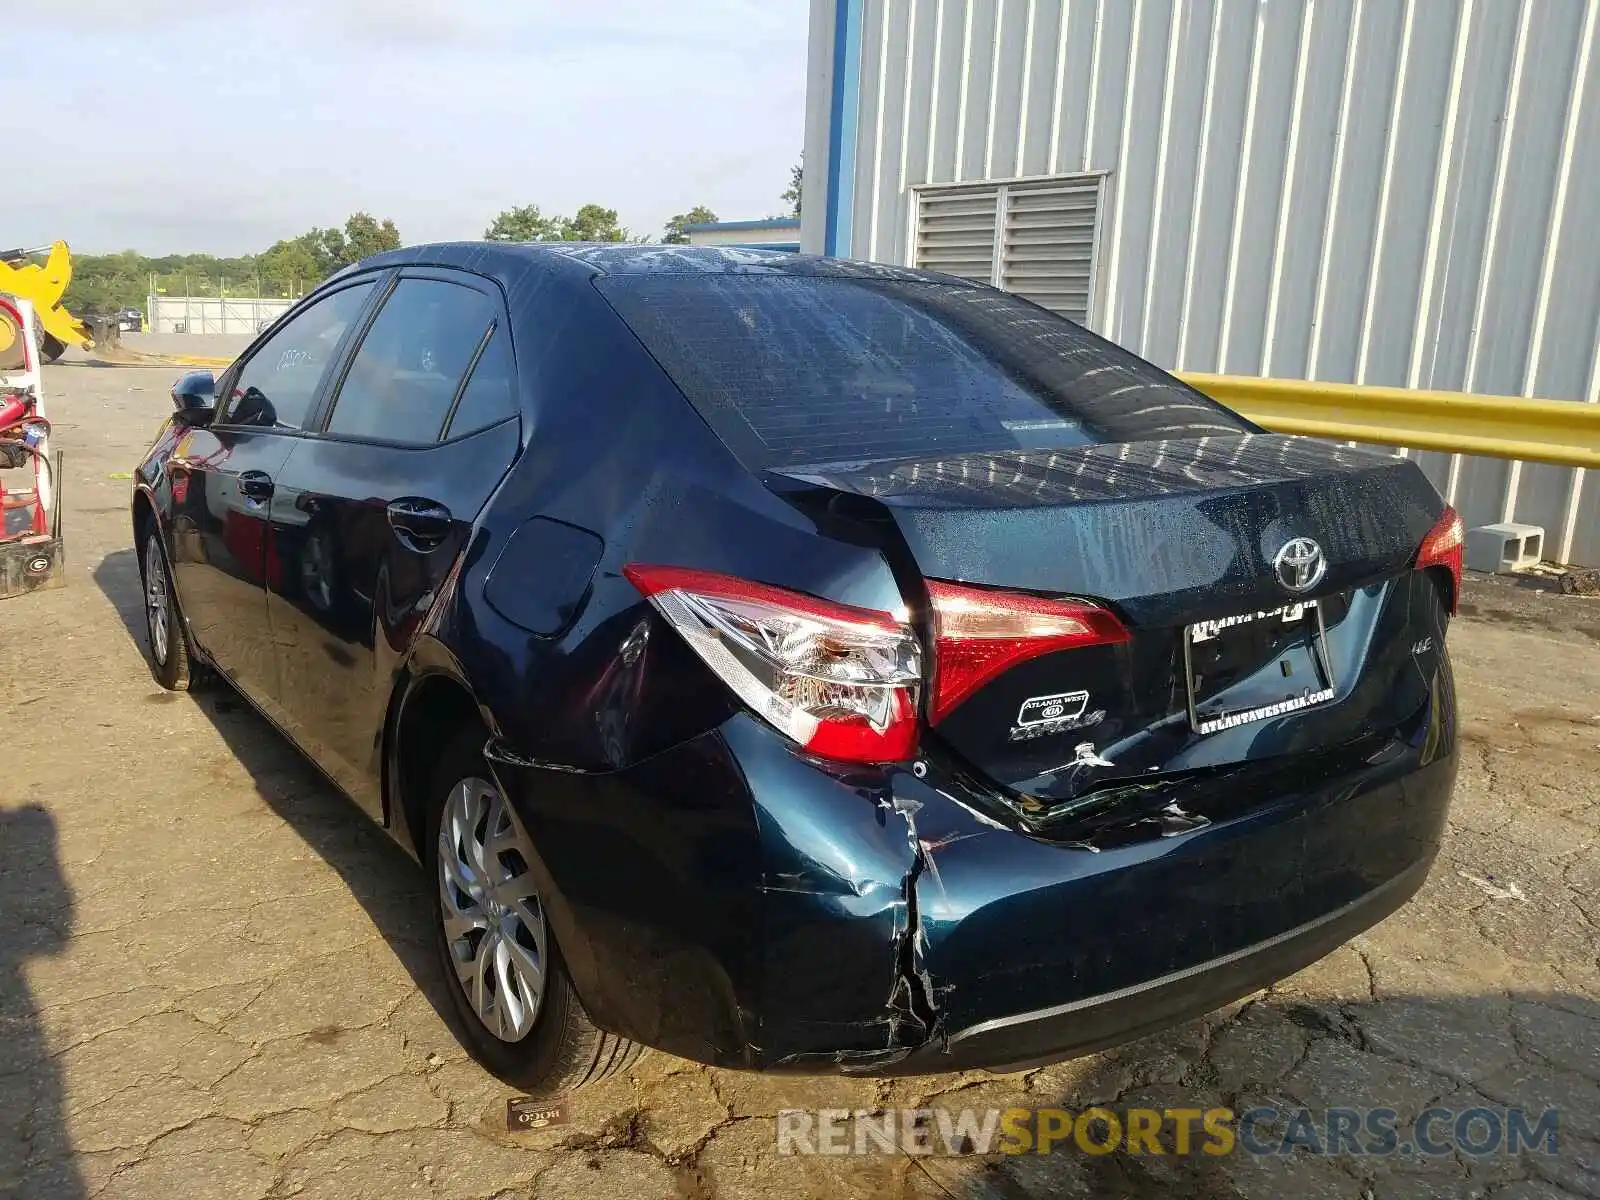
{"type": "Point", "coordinates": [157, 600]}
{"type": "Point", "coordinates": [493, 921]}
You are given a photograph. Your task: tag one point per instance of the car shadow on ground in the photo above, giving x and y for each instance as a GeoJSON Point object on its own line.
{"type": "Point", "coordinates": [36, 919]}
{"type": "Point", "coordinates": [383, 879]}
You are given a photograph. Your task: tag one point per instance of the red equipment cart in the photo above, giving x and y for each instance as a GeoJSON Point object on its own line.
{"type": "Point", "coordinates": [31, 552]}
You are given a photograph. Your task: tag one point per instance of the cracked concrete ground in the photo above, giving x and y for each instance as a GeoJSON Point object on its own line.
{"type": "Point", "coordinates": [214, 979]}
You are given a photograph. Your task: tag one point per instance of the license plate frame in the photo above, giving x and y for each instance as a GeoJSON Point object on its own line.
{"type": "Point", "coordinates": [1206, 718]}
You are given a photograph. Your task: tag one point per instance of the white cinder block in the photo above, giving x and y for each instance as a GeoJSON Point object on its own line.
{"type": "Point", "coordinates": [1505, 547]}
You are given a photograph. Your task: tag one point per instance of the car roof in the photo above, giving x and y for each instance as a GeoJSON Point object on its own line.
{"type": "Point", "coordinates": [512, 259]}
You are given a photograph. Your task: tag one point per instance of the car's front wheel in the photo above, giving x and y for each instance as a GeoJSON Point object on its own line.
{"type": "Point", "coordinates": [169, 650]}
{"type": "Point", "coordinates": [513, 1004]}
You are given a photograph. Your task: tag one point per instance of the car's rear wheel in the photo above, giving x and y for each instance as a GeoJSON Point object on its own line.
{"type": "Point", "coordinates": [511, 1000]}
{"type": "Point", "coordinates": [168, 646]}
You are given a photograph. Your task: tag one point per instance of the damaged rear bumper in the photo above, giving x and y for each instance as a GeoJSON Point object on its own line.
{"type": "Point", "coordinates": [1093, 1023]}
{"type": "Point", "coordinates": [734, 902]}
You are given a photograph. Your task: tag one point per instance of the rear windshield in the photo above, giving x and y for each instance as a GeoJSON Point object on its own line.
{"type": "Point", "coordinates": [805, 371]}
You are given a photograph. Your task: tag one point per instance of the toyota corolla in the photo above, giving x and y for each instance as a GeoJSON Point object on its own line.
{"type": "Point", "coordinates": [793, 664]}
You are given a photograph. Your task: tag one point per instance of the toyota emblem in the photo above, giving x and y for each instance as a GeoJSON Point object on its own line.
{"type": "Point", "coordinates": [1300, 564]}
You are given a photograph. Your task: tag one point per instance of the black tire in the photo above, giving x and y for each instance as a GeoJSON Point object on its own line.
{"type": "Point", "coordinates": [173, 667]}
{"type": "Point", "coordinates": [563, 1050]}
{"type": "Point", "coordinates": [51, 347]}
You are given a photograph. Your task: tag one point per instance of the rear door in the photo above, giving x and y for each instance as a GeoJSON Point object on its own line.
{"type": "Point", "coordinates": [374, 507]}
{"type": "Point", "coordinates": [223, 478]}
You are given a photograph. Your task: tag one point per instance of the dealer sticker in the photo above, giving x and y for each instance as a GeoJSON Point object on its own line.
{"type": "Point", "coordinates": [1041, 716]}
{"type": "Point", "coordinates": [1052, 708]}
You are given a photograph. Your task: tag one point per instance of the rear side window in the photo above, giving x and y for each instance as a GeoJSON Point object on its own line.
{"type": "Point", "coordinates": [488, 398]}
{"type": "Point", "coordinates": [405, 375]}
{"type": "Point", "coordinates": [791, 370]}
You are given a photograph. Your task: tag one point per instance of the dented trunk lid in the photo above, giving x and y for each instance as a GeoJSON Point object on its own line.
{"type": "Point", "coordinates": [978, 439]}
{"type": "Point", "coordinates": [1225, 663]}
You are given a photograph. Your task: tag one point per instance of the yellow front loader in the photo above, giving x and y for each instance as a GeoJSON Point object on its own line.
{"type": "Point", "coordinates": [23, 274]}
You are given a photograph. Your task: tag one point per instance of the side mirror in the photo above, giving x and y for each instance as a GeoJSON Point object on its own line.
{"type": "Point", "coordinates": [194, 398]}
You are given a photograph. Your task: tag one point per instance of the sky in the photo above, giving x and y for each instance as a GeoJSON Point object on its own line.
{"type": "Point", "coordinates": [221, 126]}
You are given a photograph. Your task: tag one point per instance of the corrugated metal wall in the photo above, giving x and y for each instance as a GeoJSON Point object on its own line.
{"type": "Point", "coordinates": [1375, 191]}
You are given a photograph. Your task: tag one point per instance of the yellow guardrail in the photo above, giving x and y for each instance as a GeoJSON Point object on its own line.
{"type": "Point", "coordinates": [1563, 432]}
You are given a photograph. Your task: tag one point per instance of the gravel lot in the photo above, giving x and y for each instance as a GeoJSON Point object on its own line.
{"type": "Point", "coordinates": [206, 345]}
{"type": "Point", "coordinates": [214, 979]}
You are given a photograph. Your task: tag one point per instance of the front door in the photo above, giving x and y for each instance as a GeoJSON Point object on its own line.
{"type": "Point", "coordinates": [371, 512]}
{"type": "Point", "coordinates": [223, 479]}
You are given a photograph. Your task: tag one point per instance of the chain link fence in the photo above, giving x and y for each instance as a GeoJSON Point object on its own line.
{"type": "Point", "coordinates": [212, 314]}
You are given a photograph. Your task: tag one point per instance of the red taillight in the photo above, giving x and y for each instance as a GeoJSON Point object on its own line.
{"type": "Point", "coordinates": [840, 681]}
{"type": "Point", "coordinates": [981, 632]}
{"type": "Point", "coordinates": [1442, 548]}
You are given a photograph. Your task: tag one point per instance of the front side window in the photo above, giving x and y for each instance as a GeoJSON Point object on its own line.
{"type": "Point", "coordinates": [277, 387]}
{"type": "Point", "coordinates": [409, 367]}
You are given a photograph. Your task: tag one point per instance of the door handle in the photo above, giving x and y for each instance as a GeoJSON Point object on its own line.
{"type": "Point", "coordinates": [420, 524]}
{"type": "Point", "coordinates": [256, 485]}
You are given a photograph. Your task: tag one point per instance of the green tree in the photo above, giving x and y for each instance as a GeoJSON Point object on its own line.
{"type": "Point", "coordinates": [593, 223]}
{"type": "Point", "coordinates": [365, 235]}
{"type": "Point", "coordinates": [524, 224]}
{"type": "Point", "coordinates": [291, 266]}
{"type": "Point", "coordinates": [106, 281]}
{"type": "Point", "coordinates": [102, 282]}
{"type": "Point", "coordinates": [792, 196]}
{"type": "Point", "coordinates": [675, 234]}
{"type": "Point", "coordinates": [328, 247]}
